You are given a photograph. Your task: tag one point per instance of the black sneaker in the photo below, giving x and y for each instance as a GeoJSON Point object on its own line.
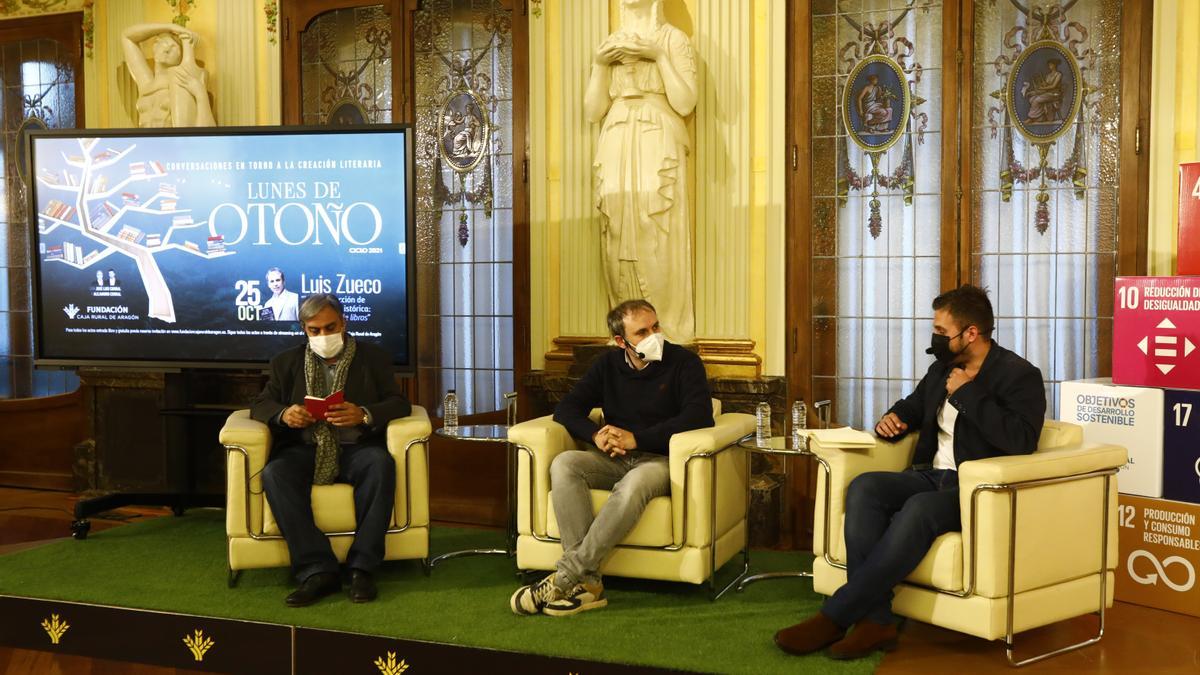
{"type": "Point", "coordinates": [581, 598]}
{"type": "Point", "coordinates": [532, 598]}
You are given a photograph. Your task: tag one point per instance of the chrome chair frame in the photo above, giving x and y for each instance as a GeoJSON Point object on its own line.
{"type": "Point", "coordinates": [712, 549]}
{"type": "Point", "coordinates": [1012, 489]}
{"type": "Point", "coordinates": [395, 529]}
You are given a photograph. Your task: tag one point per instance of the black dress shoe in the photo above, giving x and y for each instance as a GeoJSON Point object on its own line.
{"type": "Point", "coordinates": [362, 586]}
{"type": "Point", "coordinates": [314, 588]}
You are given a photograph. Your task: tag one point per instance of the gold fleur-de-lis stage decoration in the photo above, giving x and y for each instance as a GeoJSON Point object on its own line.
{"type": "Point", "coordinates": [390, 667]}
{"type": "Point", "coordinates": [198, 644]}
{"type": "Point", "coordinates": [55, 628]}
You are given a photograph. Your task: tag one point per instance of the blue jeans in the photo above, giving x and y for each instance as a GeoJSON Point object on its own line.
{"type": "Point", "coordinates": [892, 519]}
{"type": "Point", "coordinates": [287, 483]}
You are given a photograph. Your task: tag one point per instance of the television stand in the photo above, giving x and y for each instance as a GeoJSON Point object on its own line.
{"type": "Point", "coordinates": [179, 502]}
{"type": "Point", "coordinates": [186, 498]}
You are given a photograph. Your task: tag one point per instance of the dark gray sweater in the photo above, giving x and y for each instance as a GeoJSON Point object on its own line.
{"type": "Point", "coordinates": [662, 399]}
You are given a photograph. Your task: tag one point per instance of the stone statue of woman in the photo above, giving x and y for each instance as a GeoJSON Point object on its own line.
{"type": "Point", "coordinates": [643, 83]}
{"type": "Point", "coordinates": [174, 91]}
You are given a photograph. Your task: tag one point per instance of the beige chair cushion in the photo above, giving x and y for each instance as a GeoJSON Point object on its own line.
{"type": "Point", "coordinates": [652, 529]}
{"type": "Point", "coordinates": [1056, 434]}
{"type": "Point", "coordinates": [333, 509]}
{"type": "Point", "coordinates": [942, 566]}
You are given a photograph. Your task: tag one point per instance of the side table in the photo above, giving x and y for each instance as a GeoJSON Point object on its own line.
{"type": "Point", "coordinates": [489, 433]}
{"type": "Point", "coordinates": [776, 445]}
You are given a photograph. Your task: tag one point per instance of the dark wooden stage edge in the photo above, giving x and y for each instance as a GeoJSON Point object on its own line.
{"type": "Point", "coordinates": [215, 645]}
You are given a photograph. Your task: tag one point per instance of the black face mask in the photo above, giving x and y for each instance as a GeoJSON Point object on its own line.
{"type": "Point", "coordinates": [939, 346]}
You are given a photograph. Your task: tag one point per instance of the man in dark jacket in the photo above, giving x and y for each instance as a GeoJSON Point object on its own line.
{"type": "Point", "coordinates": [649, 389]}
{"type": "Point", "coordinates": [978, 400]}
{"type": "Point", "coordinates": [348, 446]}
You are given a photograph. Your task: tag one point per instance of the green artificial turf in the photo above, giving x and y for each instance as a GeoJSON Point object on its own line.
{"type": "Point", "coordinates": [178, 565]}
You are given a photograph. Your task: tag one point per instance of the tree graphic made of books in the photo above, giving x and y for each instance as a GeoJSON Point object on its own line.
{"type": "Point", "coordinates": [96, 197]}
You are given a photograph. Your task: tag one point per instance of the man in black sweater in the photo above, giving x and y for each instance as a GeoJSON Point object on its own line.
{"type": "Point", "coordinates": [347, 446]}
{"type": "Point", "coordinates": [649, 389]}
{"type": "Point", "coordinates": [978, 400]}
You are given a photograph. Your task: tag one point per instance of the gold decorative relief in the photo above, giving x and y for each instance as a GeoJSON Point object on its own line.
{"type": "Point", "coordinates": [391, 666]}
{"type": "Point", "coordinates": [729, 357]}
{"type": "Point", "coordinates": [198, 644]}
{"type": "Point", "coordinates": [560, 358]}
{"type": "Point", "coordinates": [55, 628]}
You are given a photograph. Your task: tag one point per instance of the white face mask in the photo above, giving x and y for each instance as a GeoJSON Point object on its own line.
{"type": "Point", "coordinates": [650, 348]}
{"type": "Point", "coordinates": [326, 346]}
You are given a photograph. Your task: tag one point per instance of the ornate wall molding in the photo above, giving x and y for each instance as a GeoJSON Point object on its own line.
{"type": "Point", "coordinates": [543, 320]}
{"type": "Point", "coordinates": [724, 160]}
{"type": "Point", "coordinates": [13, 8]}
{"type": "Point", "coordinates": [91, 69]}
{"type": "Point", "coordinates": [182, 7]}
{"type": "Point", "coordinates": [583, 300]}
{"type": "Point", "coordinates": [271, 108]}
{"type": "Point", "coordinates": [774, 342]}
{"type": "Point", "coordinates": [729, 357]}
{"type": "Point", "coordinates": [235, 36]}
{"type": "Point", "coordinates": [119, 15]}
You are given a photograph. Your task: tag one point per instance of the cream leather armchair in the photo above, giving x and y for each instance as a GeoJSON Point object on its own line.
{"type": "Point", "coordinates": [1038, 542]}
{"type": "Point", "coordinates": [253, 537]}
{"type": "Point", "coordinates": [674, 539]}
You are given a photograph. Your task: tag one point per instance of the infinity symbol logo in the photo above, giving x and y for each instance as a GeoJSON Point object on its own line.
{"type": "Point", "coordinates": [1152, 578]}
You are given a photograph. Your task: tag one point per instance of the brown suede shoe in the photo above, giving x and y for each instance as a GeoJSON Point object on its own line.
{"type": "Point", "coordinates": [809, 636]}
{"type": "Point", "coordinates": [866, 637]}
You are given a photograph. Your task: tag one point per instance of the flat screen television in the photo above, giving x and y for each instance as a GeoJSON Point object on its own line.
{"type": "Point", "coordinates": [194, 248]}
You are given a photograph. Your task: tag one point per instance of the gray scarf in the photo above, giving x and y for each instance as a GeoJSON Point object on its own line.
{"type": "Point", "coordinates": [329, 450]}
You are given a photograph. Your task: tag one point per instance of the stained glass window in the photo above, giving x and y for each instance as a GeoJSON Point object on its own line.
{"type": "Point", "coordinates": [464, 171]}
{"type": "Point", "coordinates": [464, 158]}
{"type": "Point", "coordinates": [876, 185]}
{"type": "Point", "coordinates": [346, 67]}
{"type": "Point", "coordinates": [1044, 183]}
{"type": "Point", "coordinates": [37, 90]}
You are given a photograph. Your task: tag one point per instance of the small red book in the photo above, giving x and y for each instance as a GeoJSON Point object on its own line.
{"type": "Point", "coordinates": [317, 407]}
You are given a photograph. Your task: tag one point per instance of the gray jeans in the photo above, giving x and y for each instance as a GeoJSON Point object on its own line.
{"type": "Point", "coordinates": [634, 479]}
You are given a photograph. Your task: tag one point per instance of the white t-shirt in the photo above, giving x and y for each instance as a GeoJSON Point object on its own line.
{"type": "Point", "coordinates": [947, 416]}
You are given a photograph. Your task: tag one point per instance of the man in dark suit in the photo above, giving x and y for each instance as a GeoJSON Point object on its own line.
{"type": "Point", "coordinates": [977, 400]}
{"type": "Point", "coordinates": [348, 446]}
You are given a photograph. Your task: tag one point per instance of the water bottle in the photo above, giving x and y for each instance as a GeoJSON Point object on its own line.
{"type": "Point", "coordinates": [450, 412]}
{"type": "Point", "coordinates": [799, 424]}
{"type": "Point", "coordinates": [762, 424]}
